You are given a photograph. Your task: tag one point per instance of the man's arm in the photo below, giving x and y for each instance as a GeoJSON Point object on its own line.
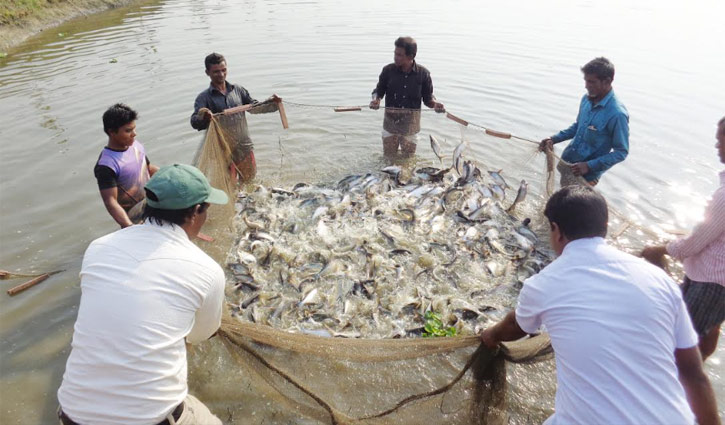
{"type": "Point", "coordinates": [427, 93]}
{"type": "Point", "coordinates": [271, 104]}
{"type": "Point", "coordinates": [566, 134]}
{"type": "Point", "coordinates": [505, 330]}
{"type": "Point", "coordinates": [208, 317]}
{"type": "Point", "coordinates": [379, 90]}
{"type": "Point", "coordinates": [110, 200]}
{"type": "Point", "coordinates": [704, 233]}
{"type": "Point", "coordinates": [200, 121]}
{"type": "Point", "coordinates": [153, 169]}
{"type": "Point", "coordinates": [620, 146]}
{"type": "Point", "coordinates": [697, 386]}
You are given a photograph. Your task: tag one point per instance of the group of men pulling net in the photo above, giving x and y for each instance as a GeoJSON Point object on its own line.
{"type": "Point", "coordinates": [331, 286]}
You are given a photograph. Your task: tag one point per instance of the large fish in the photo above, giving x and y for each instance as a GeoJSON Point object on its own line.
{"type": "Point", "coordinates": [498, 179]}
{"type": "Point", "coordinates": [436, 147]}
{"type": "Point", "coordinates": [457, 157]}
{"type": "Point", "coordinates": [520, 195]}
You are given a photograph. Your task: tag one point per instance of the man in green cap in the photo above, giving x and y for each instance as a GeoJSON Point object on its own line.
{"type": "Point", "coordinates": [145, 289]}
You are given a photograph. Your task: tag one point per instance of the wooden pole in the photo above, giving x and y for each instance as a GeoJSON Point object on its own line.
{"type": "Point", "coordinates": [500, 134]}
{"type": "Point", "coordinates": [456, 119]}
{"type": "Point", "coordinates": [237, 109]}
{"type": "Point", "coordinates": [20, 288]}
{"type": "Point", "coordinates": [348, 108]}
{"type": "Point", "coordinates": [283, 115]}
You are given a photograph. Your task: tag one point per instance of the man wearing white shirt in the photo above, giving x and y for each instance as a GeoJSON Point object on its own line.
{"type": "Point", "coordinates": [618, 325]}
{"type": "Point", "coordinates": [144, 289]}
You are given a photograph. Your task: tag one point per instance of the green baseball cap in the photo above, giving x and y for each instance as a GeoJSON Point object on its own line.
{"type": "Point", "coordinates": [181, 186]}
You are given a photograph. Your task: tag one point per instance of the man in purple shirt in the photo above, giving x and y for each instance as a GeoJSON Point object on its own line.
{"type": "Point", "coordinates": [122, 168]}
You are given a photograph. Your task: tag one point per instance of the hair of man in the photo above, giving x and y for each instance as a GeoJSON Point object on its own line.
{"type": "Point", "coordinates": [117, 116]}
{"type": "Point", "coordinates": [409, 44]}
{"type": "Point", "coordinates": [579, 211]}
{"type": "Point", "coordinates": [161, 216]}
{"type": "Point", "coordinates": [601, 67]}
{"type": "Point", "coordinates": [213, 59]}
{"type": "Point", "coordinates": [722, 121]}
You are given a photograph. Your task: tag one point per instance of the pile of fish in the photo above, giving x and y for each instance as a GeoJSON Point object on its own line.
{"type": "Point", "coordinates": [369, 255]}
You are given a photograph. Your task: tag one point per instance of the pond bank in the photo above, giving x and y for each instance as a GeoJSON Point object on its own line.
{"type": "Point", "coordinates": [22, 19]}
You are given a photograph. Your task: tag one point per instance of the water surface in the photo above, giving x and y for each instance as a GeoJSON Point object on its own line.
{"type": "Point", "coordinates": [512, 67]}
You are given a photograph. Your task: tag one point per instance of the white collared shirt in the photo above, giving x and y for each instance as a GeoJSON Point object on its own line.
{"type": "Point", "coordinates": [143, 290]}
{"type": "Point", "coordinates": [615, 322]}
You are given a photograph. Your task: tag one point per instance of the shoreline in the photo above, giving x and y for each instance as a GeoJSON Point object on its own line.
{"type": "Point", "coordinates": [17, 24]}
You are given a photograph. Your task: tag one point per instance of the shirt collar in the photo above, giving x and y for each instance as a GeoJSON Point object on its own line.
{"type": "Point", "coordinates": [583, 244]}
{"type": "Point", "coordinates": [173, 230]}
{"type": "Point", "coordinates": [604, 100]}
{"type": "Point", "coordinates": [213, 89]}
{"type": "Point", "coordinates": [413, 70]}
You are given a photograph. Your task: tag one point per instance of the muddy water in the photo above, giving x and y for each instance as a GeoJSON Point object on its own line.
{"type": "Point", "coordinates": [513, 68]}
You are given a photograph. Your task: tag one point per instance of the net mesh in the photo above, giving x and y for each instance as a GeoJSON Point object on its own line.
{"type": "Point", "coordinates": [254, 373]}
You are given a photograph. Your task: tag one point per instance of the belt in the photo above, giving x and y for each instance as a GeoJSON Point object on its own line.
{"type": "Point", "coordinates": [176, 414]}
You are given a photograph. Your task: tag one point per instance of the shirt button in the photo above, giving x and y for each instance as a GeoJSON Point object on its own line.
{"type": "Point", "coordinates": [405, 87]}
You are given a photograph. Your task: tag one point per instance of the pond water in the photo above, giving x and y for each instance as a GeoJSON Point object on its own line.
{"type": "Point", "coordinates": [510, 67]}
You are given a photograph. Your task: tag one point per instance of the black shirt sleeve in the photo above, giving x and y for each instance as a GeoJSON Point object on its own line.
{"type": "Point", "coordinates": [427, 88]}
{"type": "Point", "coordinates": [382, 86]}
{"type": "Point", "coordinates": [105, 177]}
{"type": "Point", "coordinates": [246, 97]}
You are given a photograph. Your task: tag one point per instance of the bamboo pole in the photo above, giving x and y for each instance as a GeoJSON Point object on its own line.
{"type": "Point", "coordinates": [23, 286]}
{"type": "Point", "coordinates": [283, 115]}
{"type": "Point", "coordinates": [456, 119]}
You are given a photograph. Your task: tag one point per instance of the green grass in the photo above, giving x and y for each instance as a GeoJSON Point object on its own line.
{"type": "Point", "coordinates": [15, 11]}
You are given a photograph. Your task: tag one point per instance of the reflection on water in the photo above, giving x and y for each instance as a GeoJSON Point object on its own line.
{"type": "Point", "coordinates": [510, 68]}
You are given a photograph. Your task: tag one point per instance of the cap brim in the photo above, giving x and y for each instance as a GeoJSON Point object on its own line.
{"type": "Point", "coordinates": [217, 196]}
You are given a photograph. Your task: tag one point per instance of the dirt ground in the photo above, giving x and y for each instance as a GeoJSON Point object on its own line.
{"type": "Point", "coordinates": [18, 21]}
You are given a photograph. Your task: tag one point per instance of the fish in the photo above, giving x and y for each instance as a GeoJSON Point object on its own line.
{"type": "Point", "coordinates": [457, 154]}
{"type": "Point", "coordinates": [498, 179]}
{"type": "Point", "coordinates": [366, 255]}
{"type": "Point", "coordinates": [312, 297]}
{"type": "Point", "coordinates": [498, 192]}
{"type": "Point", "coordinates": [520, 195]}
{"type": "Point", "coordinates": [436, 148]}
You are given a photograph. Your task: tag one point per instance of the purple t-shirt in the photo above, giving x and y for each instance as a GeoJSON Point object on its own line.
{"type": "Point", "coordinates": [131, 171]}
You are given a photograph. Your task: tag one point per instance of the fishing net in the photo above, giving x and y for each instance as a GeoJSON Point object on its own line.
{"type": "Point", "coordinates": [254, 373]}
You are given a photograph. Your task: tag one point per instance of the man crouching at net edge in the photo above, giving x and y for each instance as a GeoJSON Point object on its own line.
{"type": "Point", "coordinates": [144, 290]}
{"type": "Point", "coordinates": [618, 326]}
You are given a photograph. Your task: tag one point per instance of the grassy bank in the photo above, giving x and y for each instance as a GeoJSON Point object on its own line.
{"type": "Point", "coordinates": [20, 19]}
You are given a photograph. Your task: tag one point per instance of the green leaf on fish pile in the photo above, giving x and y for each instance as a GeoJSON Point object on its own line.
{"type": "Point", "coordinates": [434, 326]}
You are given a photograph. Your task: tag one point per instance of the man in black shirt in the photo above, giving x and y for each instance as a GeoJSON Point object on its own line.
{"type": "Point", "coordinates": [403, 83]}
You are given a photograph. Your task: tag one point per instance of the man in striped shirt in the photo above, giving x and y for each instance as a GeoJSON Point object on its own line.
{"type": "Point", "coordinates": [702, 253]}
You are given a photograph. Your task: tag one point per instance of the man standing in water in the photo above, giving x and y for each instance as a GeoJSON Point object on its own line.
{"type": "Point", "coordinates": [222, 95]}
{"type": "Point", "coordinates": [600, 132]}
{"type": "Point", "coordinates": [122, 168]}
{"type": "Point", "coordinates": [703, 255]}
{"type": "Point", "coordinates": [403, 83]}
{"type": "Point", "coordinates": [618, 326]}
{"type": "Point", "coordinates": [145, 290]}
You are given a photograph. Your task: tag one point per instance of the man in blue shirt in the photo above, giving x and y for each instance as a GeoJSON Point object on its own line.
{"type": "Point", "coordinates": [600, 132]}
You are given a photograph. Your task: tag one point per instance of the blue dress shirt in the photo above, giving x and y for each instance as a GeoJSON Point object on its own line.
{"type": "Point", "coordinates": [600, 133]}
